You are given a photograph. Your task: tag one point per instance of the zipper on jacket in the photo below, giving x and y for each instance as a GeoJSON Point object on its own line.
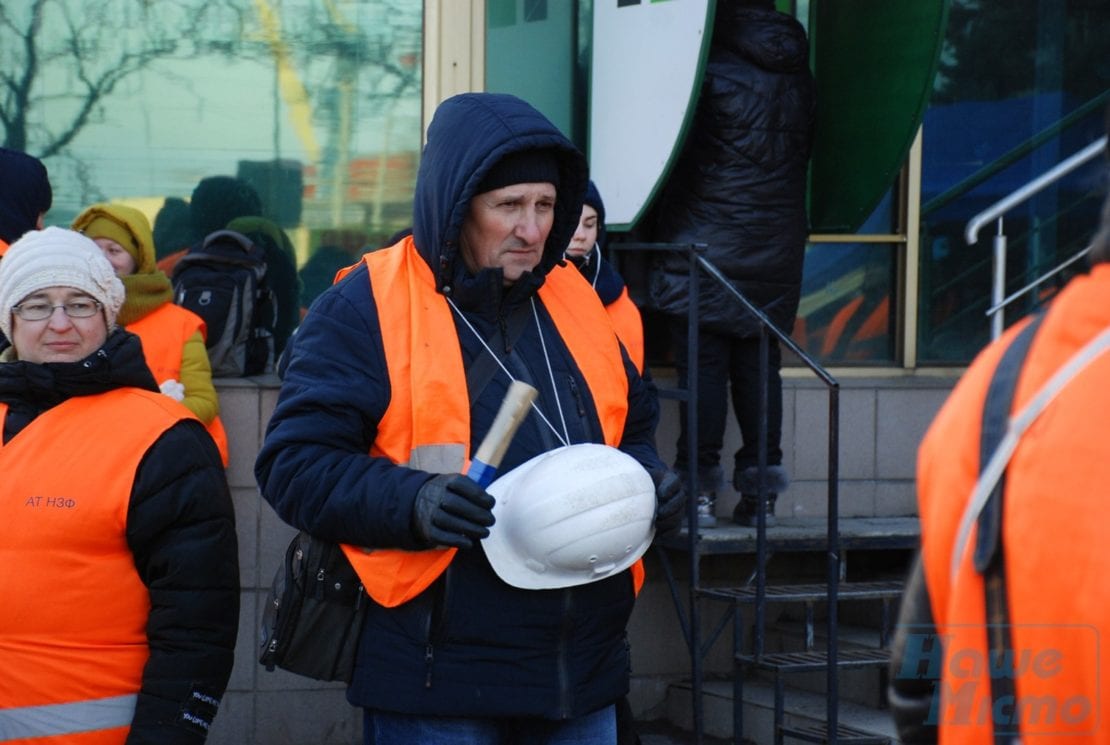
{"type": "Point", "coordinates": [435, 620]}
{"type": "Point", "coordinates": [429, 650]}
{"type": "Point", "coordinates": [577, 396]}
{"type": "Point", "coordinates": [503, 327]}
{"type": "Point", "coordinates": [564, 636]}
{"type": "Point", "coordinates": [429, 657]}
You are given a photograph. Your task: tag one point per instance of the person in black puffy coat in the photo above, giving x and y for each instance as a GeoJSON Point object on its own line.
{"type": "Point", "coordinates": [739, 187]}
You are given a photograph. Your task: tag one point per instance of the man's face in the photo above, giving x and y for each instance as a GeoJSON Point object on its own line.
{"type": "Point", "coordinates": [508, 228]}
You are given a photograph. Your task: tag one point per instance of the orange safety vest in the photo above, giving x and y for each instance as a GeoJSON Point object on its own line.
{"type": "Point", "coordinates": [1054, 530]}
{"type": "Point", "coordinates": [164, 332]}
{"type": "Point", "coordinates": [73, 639]}
{"type": "Point", "coordinates": [629, 325]}
{"type": "Point", "coordinates": [3, 247]}
{"type": "Point", "coordinates": [427, 423]}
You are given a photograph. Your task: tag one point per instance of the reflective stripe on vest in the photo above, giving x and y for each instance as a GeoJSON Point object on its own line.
{"type": "Point", "coordinates": [427, 422]}
{"type": "Point", "coordinates": [164, 332]}
{"type": "Point", "coordinates": [53, 720]}
{"type": "Point", "coordinates": [64, 503]}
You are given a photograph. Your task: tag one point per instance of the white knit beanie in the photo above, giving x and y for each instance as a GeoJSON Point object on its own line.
{"type": "Point", "coordinates": [56, 257]}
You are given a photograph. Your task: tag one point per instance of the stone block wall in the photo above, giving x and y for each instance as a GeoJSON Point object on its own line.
{"type": "Point", "coordinates": [881, 422]}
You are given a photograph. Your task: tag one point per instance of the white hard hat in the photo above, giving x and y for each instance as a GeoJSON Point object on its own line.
{"type": "Point", "coordinates": [570, 516]}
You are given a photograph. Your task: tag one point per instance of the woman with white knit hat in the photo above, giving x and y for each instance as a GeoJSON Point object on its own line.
{"type": "Point", "coordinates": [115, 503]}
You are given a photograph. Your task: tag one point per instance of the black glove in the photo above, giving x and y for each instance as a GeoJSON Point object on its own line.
{"type": "Point", "coordinates": [670, 498]}
{"type": "Point", "coordinates": [452, 510]}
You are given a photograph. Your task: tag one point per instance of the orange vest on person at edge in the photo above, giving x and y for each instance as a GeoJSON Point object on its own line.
{"type": "Point", "coordinates": [164, 332]}
{"type": "Point", "coordinates": [73, 639]}
{"type": "Point", "coordinates": [1054, 529]}
{"type": "Point", "coordinates": [629, 325]}
{"type": "Point", "coordinates": [427, 423]}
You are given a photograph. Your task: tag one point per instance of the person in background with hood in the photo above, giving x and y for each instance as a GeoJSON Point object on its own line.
{"type": "Point", "coordinates": [25, 195]}
{"type": "Point", "coordinates": [172, 337]}
{"type": "Point", "coordinates": [121, 587]}
{"type": "Point", "coordinates": [173, 232]}
{"type": "Point", "coordinates": [739, 186]}
{"type": "Point", "coordinates": [381, 407]}
{"type": "Point", "coordinates": [584, 252]}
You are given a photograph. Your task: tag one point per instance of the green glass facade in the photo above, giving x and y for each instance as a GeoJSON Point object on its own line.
{"type": "Point", "coordinates": [316, 105]}
{"type": "Point", "coordinates": [1021, 85]}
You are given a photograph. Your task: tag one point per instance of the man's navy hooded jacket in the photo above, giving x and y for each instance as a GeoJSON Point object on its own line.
{"type": "Point", "coordinates": [470, 645]}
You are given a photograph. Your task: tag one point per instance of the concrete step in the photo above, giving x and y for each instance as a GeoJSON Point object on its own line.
{"type": "Point", "coordinates": [801, 709]}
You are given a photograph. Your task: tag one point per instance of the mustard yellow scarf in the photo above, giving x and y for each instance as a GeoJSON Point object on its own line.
{"type": "Point", "coordinates": [145, 293]}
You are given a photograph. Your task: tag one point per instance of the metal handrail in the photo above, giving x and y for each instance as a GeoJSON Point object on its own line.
{"type": "Point", "coordinates": [1015, 154]}
{"type": "Point", "coordinates": [1039, 280]}
{"type": "Point", "coordinates": [691, 624]}
{"type": "Point", "coordinates": [1002, 206]}
{"type": "Point", "coordinates": [1022, 193]}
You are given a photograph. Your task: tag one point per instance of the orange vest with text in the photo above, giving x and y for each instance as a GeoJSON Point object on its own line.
{"type": "Point", "coordinates": [1054, 535]}
{"type": "Point", "coordinates": [73, 631]}
{"type": "Point", "coordinates": [164, 332]}
{"type": "Point", "coordinates": [427, 423]}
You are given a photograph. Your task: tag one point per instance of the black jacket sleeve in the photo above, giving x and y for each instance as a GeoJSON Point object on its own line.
{"type": "Point", "coordinates": [914, 662]}
{"type": "Point", "coordinates": [181, 530]}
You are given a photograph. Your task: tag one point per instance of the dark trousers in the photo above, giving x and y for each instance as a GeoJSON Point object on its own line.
{"type": "Point", "coordinates": [726, 363]}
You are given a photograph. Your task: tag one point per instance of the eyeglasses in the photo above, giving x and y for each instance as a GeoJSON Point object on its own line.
{"type": "Point", "coordinates": [39, 311]}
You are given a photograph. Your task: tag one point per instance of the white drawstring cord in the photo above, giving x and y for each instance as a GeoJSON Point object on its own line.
{"type": "Point", "coordinates": [500, 364]}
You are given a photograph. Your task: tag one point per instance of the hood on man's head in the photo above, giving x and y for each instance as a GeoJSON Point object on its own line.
{"type": "Point", "coordinates": [469, 136]}
{"type": "Point", "coordinates": [25, 193]}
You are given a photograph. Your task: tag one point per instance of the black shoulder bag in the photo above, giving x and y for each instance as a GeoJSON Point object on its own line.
{"type": "Point", "coordinates": [314, 613]}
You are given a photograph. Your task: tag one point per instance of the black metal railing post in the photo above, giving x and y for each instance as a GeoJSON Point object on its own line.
{"type": "Point", "coordinates": [691, 622]}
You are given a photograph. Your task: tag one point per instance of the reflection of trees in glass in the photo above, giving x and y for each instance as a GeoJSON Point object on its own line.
{"type": "Point", "coordinates": [71, 55]}
{"type": "Point", "coordinates": [998, 49]}
{"type": "Point", "coordinates": [357, 65]}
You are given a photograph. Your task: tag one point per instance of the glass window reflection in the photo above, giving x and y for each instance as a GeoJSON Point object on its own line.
{"type": "Point", "coordinates": [316, 107]}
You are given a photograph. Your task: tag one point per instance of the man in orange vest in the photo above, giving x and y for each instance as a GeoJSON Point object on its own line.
{"type": "Point", "coordinates": [389, 386]}
{"type": "Point", "coordinates": [1004, 625]}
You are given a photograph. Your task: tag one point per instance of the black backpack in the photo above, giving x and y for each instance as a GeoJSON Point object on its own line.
{"type": "Point", "coordinates": [223, 280]}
